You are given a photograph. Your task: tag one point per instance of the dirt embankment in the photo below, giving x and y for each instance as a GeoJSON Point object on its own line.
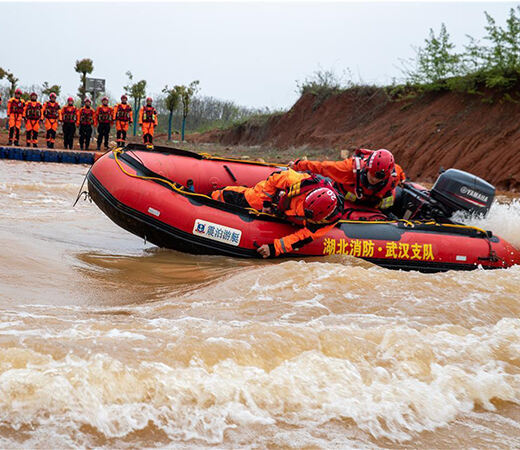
{"type": "Point", "coordinates": [425, 133]}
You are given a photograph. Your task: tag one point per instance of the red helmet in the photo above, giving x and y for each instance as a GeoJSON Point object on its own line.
{"type": "Point", "coordinates": [33, 94]}
{"type": "Point", "coordinates": [320, 204]}
{"type": "Point", "coordinates": [18, 91]}
{"type": "Point", "coordinates": [149, 100]}
{"type": "Point", "coordinates": [104, 99]}
{"type": "Point", "coordinates": [70, 99]}
{"type": "Point", "coordinates": [381, 164]}
{"type": "Point", "coordinates": [52, 95]}
{"type": "Point", "coordinates": [87, 100]}
{"type": "Point", "coordinates": [124, 97]}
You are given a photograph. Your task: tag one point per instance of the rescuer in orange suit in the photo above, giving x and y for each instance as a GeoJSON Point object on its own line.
{"type": "Point", "coordinates": [51, 114]}
{"type": "Point", "coordinates": [68, 117]}
{"type": "Point", "coordinates": [32, 115]}
{"type": "Point", "coordinates": [148, 121]}
{"type": "Point", "coordinates": [368, 178]}
{"type": "Point", "coordinates": [104, 116]}
{"type": "Point", "coordinates": [303, 199]}
{"type": "Point", "coordinates": [15, 109]}
{"type": "Point", "coordinates": [123, 117]}
{"type": "Point", "coordinates": [86, 119]}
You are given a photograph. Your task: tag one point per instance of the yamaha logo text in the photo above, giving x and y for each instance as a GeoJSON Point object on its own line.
{"type": "Point", "coordinates": [467, 191]}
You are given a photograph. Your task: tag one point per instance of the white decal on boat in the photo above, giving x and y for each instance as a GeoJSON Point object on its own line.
{"type": "Point", "coordinates": [217, 232]}
{"type": "Point", "coordinates": [460, 258]}
{"type": "Point", "coordinates": [154, 211]}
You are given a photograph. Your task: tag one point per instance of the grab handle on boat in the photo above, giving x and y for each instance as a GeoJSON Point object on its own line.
{"type": "Point", "coordinates": [231, 174]}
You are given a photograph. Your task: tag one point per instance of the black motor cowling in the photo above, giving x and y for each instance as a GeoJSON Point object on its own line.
{"type": "Point", "coordinates": [456, 190]}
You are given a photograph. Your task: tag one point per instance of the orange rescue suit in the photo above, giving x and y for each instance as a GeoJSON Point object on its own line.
{"type": "Point", "coordinates": [123, 116]}
{"type": "Point", "coordinates": [148, 120]}
{"type": "Point", "coordinates": [15, 110]}
{"type": "Point", "coordinates": [345, 175]}
{"type": "Point", "coordinates": [86, 116]}
{"type": "Point", "coordinates": [32, 115]}
{"type": "Point", "coordinates": [104, 114]}
{"type": "Point", "coordinates": [269, 191]}
{"type": "Point", "coordinates": [69, 114]}
{"type": "Point", "coordinates": [51, 114]}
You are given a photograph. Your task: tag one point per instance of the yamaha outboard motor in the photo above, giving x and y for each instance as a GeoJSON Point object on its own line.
{"type": "Point", "coordinates": [453, 191]}
{"type": "Point", "coordinates": [460, 191]}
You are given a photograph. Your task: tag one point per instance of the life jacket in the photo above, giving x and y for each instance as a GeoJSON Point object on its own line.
{"type": "Point", "coordinates": [17, 106]}
{"type": "Point", "coordinates": [123, 112]}
{"type": "Point", "coordinates": [104, 114]}
{"type": "Point", "coordinates": [283, 202]}
{"type": "Point", "coordinates": [69, 114]}
{"type": "Point", "coordinates": [86, 116]}
{"type": "Point", "coordinates": [52, 110]}
{"type": "Point", "coordinates": [149, 114]}
{"type": "Point", "coordinates": [33, 111]}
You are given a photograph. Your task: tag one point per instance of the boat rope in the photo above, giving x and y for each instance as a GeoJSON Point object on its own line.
{"type": "Point", "coordinates": [176, 187]}
{"type": "Point", "coordinates": [218, 158]}
{"type": "Point", "coordinates": [182, 190]}
{"type": "Point", "coordinates": [81, 191]}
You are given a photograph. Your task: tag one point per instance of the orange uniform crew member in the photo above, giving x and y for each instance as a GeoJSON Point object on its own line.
{"type": "Point", "coordinates": [68, 117]}
{"type": "Point", "coordinates": [123, 116]}
{"type": "Point", "coordinates": [104, 116]}
{"type": "Point", "coordinates": [15, 109]}
{"type": "Point", "coordinates": [51, 114]}
{"type": "Point", "coordinates": [32, 115]}
{"type": "Point", "coordinates": [148, 121]}
{"type": "Point", "coordinates": [368, 178]}
{"type": "Point", "coordinates": [306, 200]}
{"type": "Point", "coordinates": [86, 120]}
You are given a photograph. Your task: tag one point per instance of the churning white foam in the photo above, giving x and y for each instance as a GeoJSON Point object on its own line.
{"type": "Point", "coordinates": [503, 219]}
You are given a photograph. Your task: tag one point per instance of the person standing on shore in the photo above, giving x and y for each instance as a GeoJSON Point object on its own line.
{"type": "Point", "coordinates": [51, 114]}
{"type": "Point", "coordinates": [32, 115]}
{"type": "Point", "coordinates": [15, 109]}
{"type": "Point", "coordinates": [68, 117]}
{"type": "Point", "coordinates": [86, 119]}
{"type": "Point", "coordinates": [148, 121]}
{"type": "Point", "coordinates": [123, 117]}
{"type": "Point", "coordinates": [104, 116]}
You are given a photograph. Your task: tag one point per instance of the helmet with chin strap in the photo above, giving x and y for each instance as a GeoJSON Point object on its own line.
{"type": "Point", "coordinates": [320, 204]}
{"type": "Point", "coordinates": [381, 164]}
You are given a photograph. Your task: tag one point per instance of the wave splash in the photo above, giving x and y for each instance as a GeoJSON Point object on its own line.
{"type": "Point", "coordinates": [411, 381]}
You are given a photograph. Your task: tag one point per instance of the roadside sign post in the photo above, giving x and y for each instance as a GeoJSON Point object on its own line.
{"type": "Point", "coordinates": [95, 85]}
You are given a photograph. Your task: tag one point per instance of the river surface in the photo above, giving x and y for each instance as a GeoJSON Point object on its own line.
{"type": "Point", "coordinates": [107, 341]}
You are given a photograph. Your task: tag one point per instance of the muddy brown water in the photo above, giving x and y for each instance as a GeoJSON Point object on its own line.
{"type": "Point", "coordinates": [110, 342]}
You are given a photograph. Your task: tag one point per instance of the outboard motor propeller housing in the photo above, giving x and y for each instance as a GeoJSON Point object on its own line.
{"type": "Point", "coordinates": [457, 190]}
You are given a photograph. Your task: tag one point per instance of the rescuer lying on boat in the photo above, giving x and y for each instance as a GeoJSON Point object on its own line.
{"type": "Point", "coordinates": [303, 199]}
{"type": "Point", "coordinates": [368, 178]}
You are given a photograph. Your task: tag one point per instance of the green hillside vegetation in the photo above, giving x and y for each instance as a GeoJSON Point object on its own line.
{"type": "Point", "coordinates": [489, 67]}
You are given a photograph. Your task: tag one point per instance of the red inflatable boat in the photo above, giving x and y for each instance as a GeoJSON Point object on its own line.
{"type": "Point", "coordinates": [161, 195]}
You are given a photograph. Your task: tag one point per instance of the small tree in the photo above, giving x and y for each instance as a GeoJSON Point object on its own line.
{"type": "Point", "coordinates": [3, 73]}
{"type": "Point", "coordinates": [171, 102]}
{"type": "Point", "coordinates": [186, 93]}
{"type": "Point", "coordinates": [83, 67]}
{"type": "Point", "coordinates": [498, 63]}
{"type": "Point", "coordinates": [12, 81]}
{"type": "Point", "coordinates": [47, 89]}
{"type": "Point", "coordinates": [323, 82]}
{"type": "Point", "coordinates": [436, 61]}
{"type": "Point", "coordinates": [137, 92]}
